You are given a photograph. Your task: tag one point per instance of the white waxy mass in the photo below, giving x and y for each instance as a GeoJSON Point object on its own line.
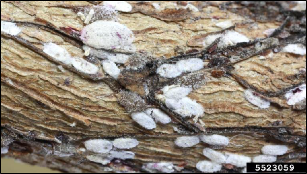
{"type": "Point", "coordinates": [217, 140]}
{"type": "Point", "coordinates": [256, 100]}
{"type": "Point", "coordinates": [214, 156]}
{"type": "Point", "coordinates": [108, 35]}
{"type": "Point", "coordinates": [210, 39]}
{"type": "Point", "coordinates": [163, 167]}
{"type": "Point", "coordinates": [175, 98]}
{"type": "Point", "coordinates": [274, 149]}
{"type": "Point", "coordinates": [187, 141]}
{"type": "Point", "coordinates": [296, 95]}
{"type": "Point", "coordinates": [101, 159]}
{"type": "Point", "coordinates": [298, 49]}
{"type": "Point", "coordinates": [57, 52]}
{"type": "Point", "coordinates": [119, 5]}
{"type": "Point", "coordinates": [144, 120]}
{"type": "Point", "coordinates": [111, 68]}
{"type": "Point", "coordinates": [158, 115]}
{"type": "Point", "coordinates": [208, 166]}
{"type": "Point", "coordinates": [121, 155]}
{"type": "Point", "coordinates": [237, 160]}
{"type": "Point", "coordinates": [230, 38]}
{"type": "Point", "coordinates": [125, 143]}
{"type": "Point", "coordinates": [61, 55]}
{"type": "Point", "coordinates": [115, 57]}
{"type": "Point", "coordinates": [176, 92]}
{"type": "Point", "coordinates": [84, 66]}
{"type": "Point", "coordinates": [264, 159]}
{"type": "Point", "coordinates": [187, 107]}
{"type": "Point", "coordinates": [98, 145]}
{"type": "Point", "coordinates": [182, 66]}
{"type": "Point", "coordinates": [190, 65]}
{"type": "Point", "coordinates": [10, 28]}
{"type": "Point", "coordinates": [169, 71]}
{"type": "Point", "coordinates": [224, 24]}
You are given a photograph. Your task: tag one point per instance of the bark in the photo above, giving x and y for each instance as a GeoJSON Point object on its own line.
{"type": "Point", "coordinates": [47, 113]}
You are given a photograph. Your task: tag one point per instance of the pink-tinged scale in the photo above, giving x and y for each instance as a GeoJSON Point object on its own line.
{"type": "Point", "coordinates": [256, 100]}
{"type": "Point", "coordinates": [108, 35]}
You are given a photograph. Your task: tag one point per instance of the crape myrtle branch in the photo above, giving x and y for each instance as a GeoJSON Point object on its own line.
{"type": "Point", "coordinates": [218, 58]}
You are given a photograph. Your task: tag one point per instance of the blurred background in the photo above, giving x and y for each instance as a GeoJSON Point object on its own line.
{"type": "Point", "coordinates": [13, 166]}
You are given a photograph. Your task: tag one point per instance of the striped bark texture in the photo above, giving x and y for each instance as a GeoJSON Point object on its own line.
{"type": "Point", "coordinates": [48, 112]}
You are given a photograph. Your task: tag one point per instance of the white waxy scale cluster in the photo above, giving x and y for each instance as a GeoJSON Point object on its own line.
{"type": "Point", "coordinates": [218, 158]}
{"type": "Point", "coordinates": [264, 159]}
{"type": "Point", "coordinates": [10, 28]}
{"type": "Point", "coordinates": [105, 159]}
{"type": "Point", "coordinates": [119, 58]}
{"type": "Point", "coordinates": [57, 52]}
{"type": "Point", "coordinates": [182, 66]}
{"type": "Point", "coordinates": [98, 12]}
{"type": "Point", "coordinates": [101, 159]}
{"type": "Point", "coordinates": [144, 120]}
{"type": "Point", "coordinates": [274, 150]}
{"type": "Point", "coordinates": [175, 98]}
{"type": "Point", "coordinates": [163, 167]}
{"type": "Point", "coordinates": [190, 65]}
{"type": "Point", "coordinates": [298, 49]}
{"type": "Point", "coordinates": [119, 5]}
{"type": "Point", "coordinates": [158, 115]}
{"type": "Point", "coordinates": [108, 35]}
{"type": "Point", "coordinates": [111, 36]}
{"type": "Point", "coordinates": [270, 152]}
{"type": "Point", "coordinates": [224, 24]}
{"type": "Point", "coordinates": [186, 107]}
{"type": "Point", "coordinates": [89, 16]}
{"type": "Point", "coordinates": [125, 143]}
{"type": "Point", "coordinates": [121, 155]}
{"type": "Point", "coordinates": [228, 38]}
{"type": "Point", "coordinates": [215, 140]}
{"type": "Point", "coordinates": [256, 100]}
{"type": "Point", "coordinates": [232, 38]}
{"type": "Point", "coordinates": [210, 39]}
{"type": "Point", "coordinates": [169, 71]}
{"type": "Point", "coordinates": [61, 54]}
{"type": "Point", "coordinates": [150, 117]}
{"type": "Point", "coordinates": [176, 92]}
{"type": "Point", "coordinates": [111, 68]}
{"type": "Point", "coordinates": [214, 156]}
{"type": "Point", "coordinates": [208, 166]}
{"type": "Point", "coordinates": [187, 141]}
{"type": "Point", "coordinates": [104, 151]}
{"type": "Point", "coordinates": [237, 160]}
{"type": "Point", "coordinates": [98, 145]}
{"type": "Point", "coordinates": [296, 95]}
